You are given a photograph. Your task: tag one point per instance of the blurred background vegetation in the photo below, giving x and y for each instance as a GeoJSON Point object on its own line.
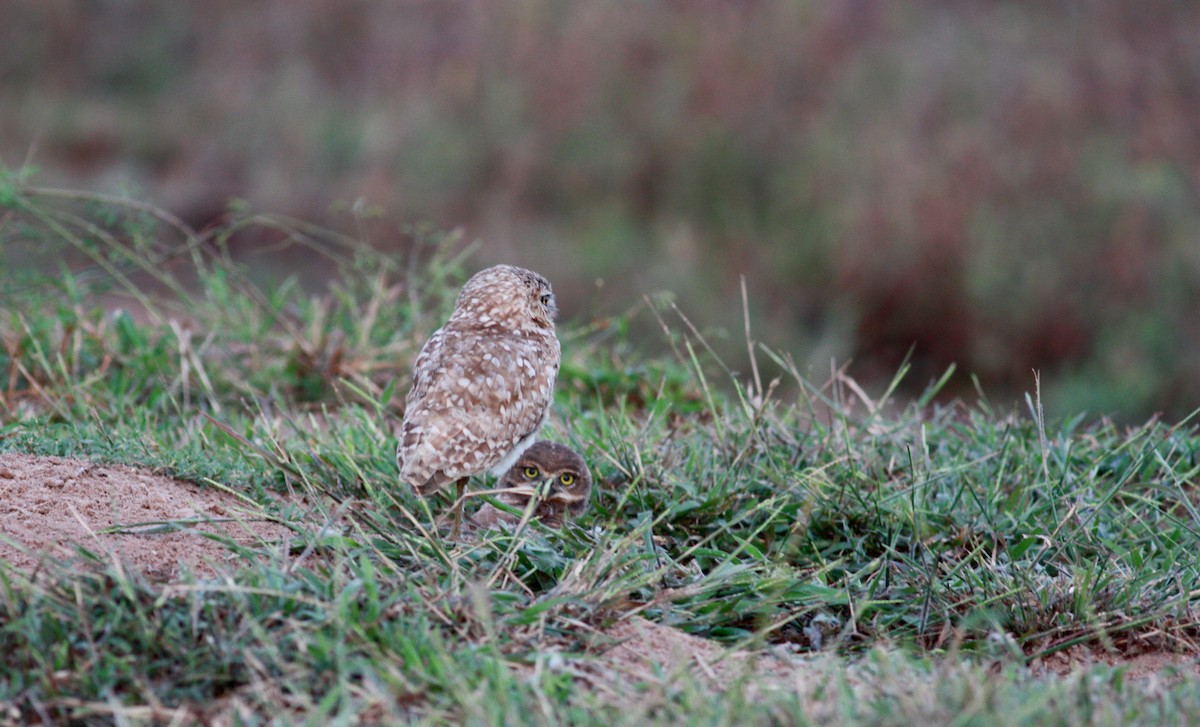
{"type": "Point", "coordinates": [1006, 186]}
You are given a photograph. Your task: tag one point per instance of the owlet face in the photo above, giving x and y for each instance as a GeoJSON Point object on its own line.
{"type": "Point", "coordinates": [556, 476]}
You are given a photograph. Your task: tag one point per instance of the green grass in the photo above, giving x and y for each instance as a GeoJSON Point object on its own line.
{"type": "Point", "coordinates": [913, 556]}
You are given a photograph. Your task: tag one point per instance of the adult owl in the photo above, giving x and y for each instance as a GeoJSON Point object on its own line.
{"type": "Point", "coordinates": [482, 384]}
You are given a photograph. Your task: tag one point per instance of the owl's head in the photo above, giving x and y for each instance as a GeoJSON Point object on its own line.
{"type": "Point", "coordinates": [556, 475]}
{"type": "Point", "coordinates": [508, 296]}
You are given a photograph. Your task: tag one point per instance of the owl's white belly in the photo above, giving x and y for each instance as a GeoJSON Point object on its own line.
{"type": "Point", "coordinates": [506, 463]}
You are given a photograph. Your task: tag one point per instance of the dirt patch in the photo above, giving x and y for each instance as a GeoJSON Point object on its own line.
{"type": "Point", "coordinates": [49, 505]}
{"type": "Point", "coordinates": [1136, 665]}
{"type": "Point", "coordinates": [652, 653]}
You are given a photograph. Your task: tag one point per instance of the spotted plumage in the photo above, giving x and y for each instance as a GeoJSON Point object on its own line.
{"type": "Point", "coordinates": [483, 383]}
{"type": "Point", "coordinates": [550, 472]}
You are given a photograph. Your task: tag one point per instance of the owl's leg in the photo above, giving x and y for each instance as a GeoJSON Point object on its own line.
{"type": "Point", "coordinates": [461, 486]}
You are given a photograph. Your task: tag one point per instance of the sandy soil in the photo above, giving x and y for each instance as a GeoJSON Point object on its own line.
{"type": "Point", "coordinates": [51, 505]}
{"type": "Point", "coordinates": [1137, 665]}
{"type": "Point", "coordinates": [652, 653]}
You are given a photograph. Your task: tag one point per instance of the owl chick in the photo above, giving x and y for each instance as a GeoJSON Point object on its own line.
{"type": "Point", "coordinates": [551, 472]}
{"type": "Point", "coordinates": [482, 384]}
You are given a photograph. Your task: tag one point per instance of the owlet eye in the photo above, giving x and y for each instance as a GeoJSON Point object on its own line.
{"type": "Point", "coordinates": [567, 479]}
{"type": "Point", "coordinates": [546, 299]}
{"type": "Point", "coordinates": [532, 473]}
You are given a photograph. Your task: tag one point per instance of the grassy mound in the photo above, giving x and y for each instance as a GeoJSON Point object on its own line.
{"type": "Point", "coordinates": [899, 561]}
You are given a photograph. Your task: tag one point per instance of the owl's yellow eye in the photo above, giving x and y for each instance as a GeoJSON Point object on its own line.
{"type": "Point", "coordinates": [567, 479]}
{"type": "Point", "coordinates": [545, 300]}
{"type": "Point", "coordinates": [532, 472]}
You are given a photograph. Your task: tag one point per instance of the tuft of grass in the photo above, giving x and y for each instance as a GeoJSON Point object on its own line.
{"type": "Point", "coordinates": [900, 560]}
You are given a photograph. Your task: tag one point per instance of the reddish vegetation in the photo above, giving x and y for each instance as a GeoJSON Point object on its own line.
{"type": "Point", "coordinates": [1005, 186]}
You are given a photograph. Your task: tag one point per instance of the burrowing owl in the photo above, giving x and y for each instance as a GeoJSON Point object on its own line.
{"type": "Point", "coordinates": [482, 384]}
{"type": "Point", "coordinates": [551, 472]}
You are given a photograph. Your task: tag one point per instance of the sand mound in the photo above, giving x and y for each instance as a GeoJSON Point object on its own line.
{"type": "Point", "coordinates": [49, 506]}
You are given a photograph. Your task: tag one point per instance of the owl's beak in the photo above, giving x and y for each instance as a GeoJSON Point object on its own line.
{"type": "Point", "coordinates": [558, 494]}
{"type": "Point", "coordinates": [540, 490]}
{"type": "Point", "coordinates": [544, 490]}
{"type": "Point", "coordinates": [526, 490]}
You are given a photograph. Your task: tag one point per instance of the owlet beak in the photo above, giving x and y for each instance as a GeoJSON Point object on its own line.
{"type": "Point", "coordinates": [539, 490]}
{"type": "Point", "coordinates": [526, 490]}
{"type": "Point", "coordinates": [563, 496]}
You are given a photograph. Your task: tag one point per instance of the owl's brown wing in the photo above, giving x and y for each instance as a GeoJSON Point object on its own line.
{"type": "Point", "coordinates": [476, 393]}
{"type": "Point", "coordinates": [413, 469]}
{"type": "Point", "coordinates": [428, 359]}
